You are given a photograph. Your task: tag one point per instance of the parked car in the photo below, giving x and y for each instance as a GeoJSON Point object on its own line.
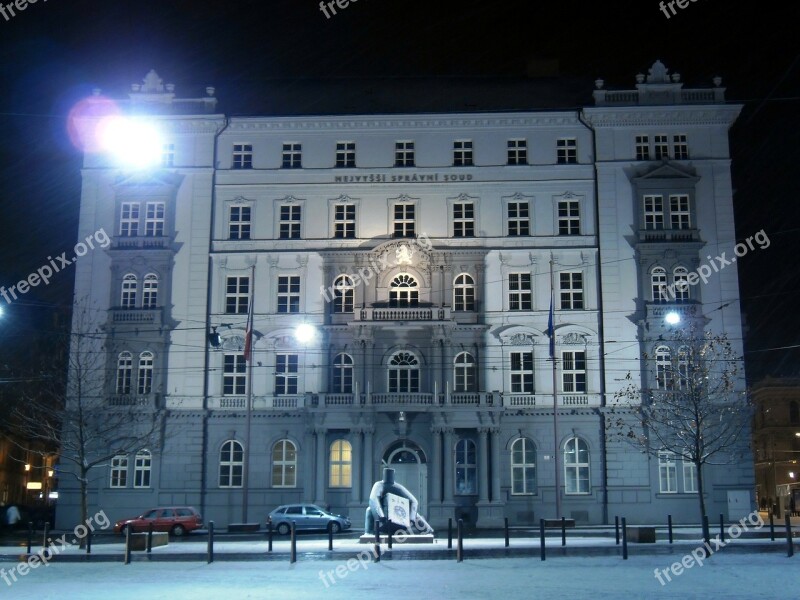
{"type": "Point", "coordinates": [307, 516]}
{"type": "Point", "coordinates": [177, 520]}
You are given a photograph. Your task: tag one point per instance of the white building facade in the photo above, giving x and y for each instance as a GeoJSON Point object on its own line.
{"type": "Point", "coordinates": [416, 254]}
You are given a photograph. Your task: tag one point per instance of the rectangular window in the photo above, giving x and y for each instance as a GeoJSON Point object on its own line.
{"type": "Point", "coordinates": [344, 221]}
{"type": "Point", "coordinates": [142, 466]}
{"type": "Point", "coordinates": [667, 473]}
{"type": "Point", "coordinates": [569, 217]}
{"type": "Point", "coordinates": [463, 219]}
{"type": "Point", "coordinates": [129, 219]}
{"type": "Point", "coordinates": [154, 219]}
{"type": "Point", "coordinates": [289, 294]}
{"type": "Point", "coordinates": [653, 212]}
{"type": "Point", "coordinates": [145, 374]}
{"type": "Point", "coordinates": [290, 222]}
{"type": "Point", "coordinates": [404, 220]}
{"type": "Point", "coordinates": [404, 154]}
{"type": "Point", "coordinates": [642, 147]}
{"type": "Point", "coordinates": [239, 223]}
{"type": "Point", "coordinates": [517, 152]}
{"type": "Point", "coordinates": [519, 221]}
{"type": "Point", "coordinates": [242, 156]}
{"type": "Point", "coordinates": [689, 477]}
{"type": "Point", "coordinates": [567, 151]}
{"type": "Point", "coordinates": [345, 155]}
{"type": "Point", "coordinates": [168, 156]}
{"type": "Point", "coordinates": [680, 147]}
{"type": "Point", "coordinates": [573, 372]}
{"type": "Point", "coordinates": [571, 291]}
{"type": "Point", "coordinates": [462, 153]}
{"type": "Point", "coordinates": [237, 295]}
{"type": "Point", "coordinates": [522, 372]}
{"type": "Point", "coordinates": [119, 471]}
{"type": "Point", "coordinates": [519, 291]}
{"type": "Point", "coordinates": [292, 156]}
{"type": "Point", "coordinates": [679, 212]}
{"type": "Point", "coordinates": [286, 369]}
{"type": "Point", "coordinates": [234, 375]}
{"type": "Point", "coordinates": [661, 147]}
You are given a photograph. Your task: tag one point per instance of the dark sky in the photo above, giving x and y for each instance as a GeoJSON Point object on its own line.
{"type": "Point", "coordinates": [57, 50]}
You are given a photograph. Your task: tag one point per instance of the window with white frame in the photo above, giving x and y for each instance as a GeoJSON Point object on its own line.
{"type": "Point", "coordinates": [463, 292]}
{"type": "Point", "coordinates": [519, 291]}
{"type": "Point", "coordinates": [145, 373]}
{"type": "Point", "coordinates": [680, 279]}
{"type": "Point", "coordinates": [567, 151]}
{"type": "Point", "coordinates": [119, 471]}
{"type": "Point", "coordinates": [242, 156]}
{"type": "Point", "coordinates": [142, 465]}
{"type": "Point", "coordinates": [150, 291]}
{"type": "Point", "coordinates": [341, 464]}
{"type": "Point", "coordinates": [679, 211]}
{"type": "Point", "coordinates": [523, 467]}
{"type": "Point", "coordinates": [466, 467]}
{"type": "Point", "coordinates": [463, 219]}
{"type": "Point", "coordinates": [343, 294]}
{"type": "Point", "coordinates": [343, 374]}
{"type": "Point", "coordinates": [231, 464]}
{"type": "Point", "coordinates": [292, 155]}
{"type": "Point", "coordinates": [290, 221]}
{"type": "Point", "coordinates": [289, 293]}
{"type": "Point", "coordinates": [462, 153]}
{"type": "Point", "coordinates": [658, 284]}
{"type": "Point", "coordinates": [689, 477]}
{"type": "Point", "coordinates": [569, 217]}
{"type": "Point", "coordinates": [573, 372]}
{"type": "Point", "coordinates": [154, 219]}
{"type": "Point", "coordinates": [168, 156]}
{"type": "Point", "coordinates": [129, 287]}
{"type": "Point", "coordinates": [680, 147]}
{"type": "Point", "coordinates": [517, 152]}
{"type": "Point", "coordinates": [682, 374]}
{"type": "Point", "coordinates": [404, 220]}
{"type": "Point", "coordinates": [129, 219]}
{"type": "Point", "coordinates": [653, 212]}
{"type": "Point", "coordinates": [124, 372]}
{"type": "Point", "coordinates": [642, 147]}
{"type": "Point", "coordinates": [237, 295]}
{"type": "Point", "coordinates": [234, 375]}
{"type": "Point", "coordinates": [345, 155]}
{"type": "Point", "coordinates": [521, 372]}
{"type": "Point", "coordinates": [663, 368]}
{"type": "Point", "coordinates": [661, 147]}
{"type": "Point", "coordinates": [667, 473]}
{"type": "Point", "coordinates": [344, 221]}
{"type": "Point", "coordinates": [287, 367]}
{"type": "Point", "coordinates": [284, 464]}
{"type": "Point", "coordinates": [403, 291]}
{"type": "Point", "coordinates": [519, 219]}
{"type": "Point", "coordinates": [239, 222]}
{"type": "Point", "coordinates": [403, 373]}
{"type": "Point", "coordinates": [576, 467]}
{"type": "Point", "coordinates": [571, 290]}
{"type": "Point", "coordinates": [464, 373]}
{"type": "Point", "coordinates": [404, 154]}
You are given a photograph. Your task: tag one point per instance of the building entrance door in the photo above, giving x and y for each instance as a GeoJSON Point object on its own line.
{"type": "Point", "coordinates": [410, 471]}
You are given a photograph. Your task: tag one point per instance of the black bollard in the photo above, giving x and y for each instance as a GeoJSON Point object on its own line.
{"type": "Point", "coordinates": [210, 552]}
{"type": "Point", "coordinates": [44, 537]}
{"type": "Point", "coordinates": [721, 528]}
{"type": "Point", "coordinates": [616, 529]}
{"type": "Point", "coordinates": [150, 538]}
{"type": "Point", "coordinates": [505, 526]}
{"type": "Point", "coordinates": [127, 557]}
{"type": "Point", "coordinates": [377, 541]}
{"type": "Point", "coordinates": [269, 534]}
{"type": "Point", "coordinates": [388, 534]}
{"type": "Point", "coordinates": [789, 534]}
{"type": "Point", "coordinates": [293, 542]}
{"type": "Point", "coordinates": [30, 535]}
{"type": "Point", "coordinates": [449, 533]}
{"type": "Point", "coordinates": [330, 539]}
{"type": "Point", "coordinates": [624, 540]}
{"type": "Point", "coordinates": [541, 538]}
{"type": "Point", "coordinates": [706, 533]}
{"type": "Point", "coordinates": [88, 542]}
{"type": "Point", "coordinates": [563, 531]}
{"type": "Point", "coordinates": [669, 527]}
{"type": "Point", "coordinates": [771, 527]}
{"type": "Point", "coordinates": [460, 548]}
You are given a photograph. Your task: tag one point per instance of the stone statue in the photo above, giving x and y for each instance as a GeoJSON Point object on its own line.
{"type": "Point", "coordinates": [376, 511]}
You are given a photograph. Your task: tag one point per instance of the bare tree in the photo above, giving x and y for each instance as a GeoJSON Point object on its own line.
{"type": "Point", "coordinates": [697, 411]}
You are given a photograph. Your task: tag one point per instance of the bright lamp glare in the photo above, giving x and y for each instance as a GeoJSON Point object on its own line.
{"type": "Point", "coordinates": [132, 143]}
{"type": "Point", "coordinates": [672, 318]}
{"type": "Point", "coordinates": [305, 333]}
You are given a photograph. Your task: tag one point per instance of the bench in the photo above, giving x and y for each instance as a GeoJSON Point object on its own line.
{"type": "Point", "coordinates": [641, 535]}
{"type": "Point", "coordinates": [139, 540]}
{"type": "Point", "coordinates": [556, 523]}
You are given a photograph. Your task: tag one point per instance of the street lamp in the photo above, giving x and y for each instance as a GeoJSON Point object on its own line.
{"type": "Point", "coordinates": [305, 333]}
{"type": "Point", "coordinates": [672, 318]}
{"type": "Point", "coordinates": [132, 142]}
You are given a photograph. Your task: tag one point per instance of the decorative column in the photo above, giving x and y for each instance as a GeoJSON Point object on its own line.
{"type": "Point", "coordinates": [490, 514]}
{"type": "Point", "coordinates": [483, 466]}
{"type": "Point", "coordinates": [496, 466]}
{"type": "Point", "coordinates": [447, 453]}
{"type": "Point", "coordinates": [357, 473]}
{"type": "Point", "coordinates": [309, 456]}
{"type": "Point", "coordinates": [367, 471]}
{"type": "Point", "coordinates": [436, 475]}
{"type": "Point", "coordinates": [321, 469]}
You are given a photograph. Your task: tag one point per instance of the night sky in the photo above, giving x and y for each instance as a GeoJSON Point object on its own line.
{"type": "Point", "coordinates": [263, 56]}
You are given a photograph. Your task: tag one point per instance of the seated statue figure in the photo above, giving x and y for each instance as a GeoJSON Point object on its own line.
{"type": "Point", "coordinates": [376, 511]}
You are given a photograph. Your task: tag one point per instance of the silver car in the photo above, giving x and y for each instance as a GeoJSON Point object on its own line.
{"type": "Point", "coordinates": [307, 516]}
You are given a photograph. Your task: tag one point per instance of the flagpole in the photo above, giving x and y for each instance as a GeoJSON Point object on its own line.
{"type": "Point", "coordinates": [248, 347]}
{"type": "Point", "coordinates": [552, 328]}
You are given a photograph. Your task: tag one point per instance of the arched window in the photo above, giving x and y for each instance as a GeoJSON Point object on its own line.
{"type": "Point", "coordinates": [124, 370]}
{"type": "Point", "coordinates": [680, 279]}
{"type": "Point", "coordinates": [576, 466]}
{"type": "Point", "coordinates": [145, 384]}
{"type": "Point", "coordinates": [523, 467]}
{"type": "Point", "coordinates": [403, 373]}
{"type": "Point", "coordinates": [231, 464]}
{"type": "Point", "coordinates": [664, 375]}
{"type": "Point", "coordinates": [683, 368]}
{"type": "Point", "coordinates": [658, 282]}
{"type": "Point", "coordinates": [129, 284]}
{"type": "Point", "coordinates": [343, 374]}
{"type": "Point", "coordinates": [464, 373]}
{"type": "Point", "coordinates": [466, 467]}
{"type": "Point", "coordinates": [341, 463]}
{"type": "Point", "coordinates": [284, 464]}
{"type": "Point", "coordinates": [464, 293]}
{"type": "Point", "coordinates": [150, 291]}
{"type": "Point", "coordinates": [404, 291]}
{"type": "Point", "coordinates": [141, 469]}
{"type": "Point", "coordinates": [794, 413]}
{"type": "Point", "coordinates": [343, 294]}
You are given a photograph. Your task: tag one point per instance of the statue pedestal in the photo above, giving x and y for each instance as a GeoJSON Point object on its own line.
{"type": "Point", "coordinates": [490, 515]}
{"type": "Point", "coordinates": [439, 513]}
{"type": "Point", "coordinates": [423, 538]}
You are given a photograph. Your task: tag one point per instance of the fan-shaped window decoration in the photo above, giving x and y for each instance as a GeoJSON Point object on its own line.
{"type": "Point", "coordinates": [404, 291]}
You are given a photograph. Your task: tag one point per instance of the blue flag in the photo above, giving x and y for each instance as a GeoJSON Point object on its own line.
{"type": "Point", "coordinates": [551, 330]}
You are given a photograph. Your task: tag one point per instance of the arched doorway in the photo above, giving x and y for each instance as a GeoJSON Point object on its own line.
{"type": "Point", "coordinates": [411, 470]}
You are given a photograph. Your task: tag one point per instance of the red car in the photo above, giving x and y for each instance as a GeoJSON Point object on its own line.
{"type": "Point", "coordinates": [177, 520]}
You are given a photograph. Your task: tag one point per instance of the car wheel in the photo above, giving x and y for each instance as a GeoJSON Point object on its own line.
{"type": "Point", "coordinates": [178, 530]}
{"type": "Point", "coordinates": [284, 529]}
{"type": "Point", "coordinates": [334, 527]}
